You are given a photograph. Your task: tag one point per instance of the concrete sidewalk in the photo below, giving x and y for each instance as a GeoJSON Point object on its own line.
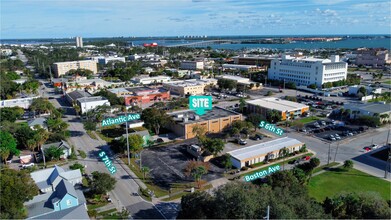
{"type": "Point", "coordinates": [124, 166]}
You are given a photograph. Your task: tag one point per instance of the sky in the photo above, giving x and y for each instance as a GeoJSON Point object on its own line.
{"type": "Point", "coordinates": [25, 19]}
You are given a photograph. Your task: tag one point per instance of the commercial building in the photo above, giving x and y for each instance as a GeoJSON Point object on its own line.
{"type": "Point", "coordinates": [79, 42]}
{"type": "Point", "coordinates": [248, 68]}
{"type": "Point", "coordinates": [308, 70]}
{"type": "Point", "coordinates": [262, 61]}
{"type": "Point", "coordinates": [353, 90]}
{"type": "Point", "coordinates": [62, 68]}
{"type": "Point", "coordinates": [104, 60]}
{"type": "Point", "coordinates": [286, 108]}
{"type": "Point", "coordinates": [90, 103]}
{"type": "Point", "coordinates": [22, 102]}
{"type": "Point", "coordinates": [376, 57]}
{"type": "Point", "coordinates": [242, 82]}
{"type": "Point", "coordinates": [189, 87]}
{"type": "Point", "coordinates": [192, 65]}
{"type": "Point", "coordinates": [369, 109]}
{"type": "Point", "coordinates": [214, 121]}
{"type": "Point", "coordinates": [146, 80]}
{"type": "Point", "coordinates": [91, 85]}
{"type": "Point", "coordinates": [141, 95]}
{"type": "Point", "coordinates": [261, 152]}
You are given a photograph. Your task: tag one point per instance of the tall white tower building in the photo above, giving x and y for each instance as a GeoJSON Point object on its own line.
{"type": "Point", "coordinates": [79, 42]}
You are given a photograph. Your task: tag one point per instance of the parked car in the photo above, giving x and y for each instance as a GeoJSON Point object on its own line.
{"type": "Point", "coordinates": [374, 146]}
{"type": "Point", "coordinates": [24, 166]}
{"type": "Point", "coordinates": [332, 137]}
{"type": "Point", "coordinates": [337, 136]}
{"type": "Point", "coordinates": [323, 123]}
{"type": "Point", "coordinates": [159, 140]}
{"type": "Point", "coordinates": [306, 158]}
{"type": "Point", "coordinates": [256, 137]}
{"type": "Point", "coordinates": [241, 141]}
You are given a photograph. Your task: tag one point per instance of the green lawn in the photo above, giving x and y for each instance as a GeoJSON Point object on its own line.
{"type": "Point", "coordinates": [387, 82]}
{"type": "Point", "coordinates": [323, 167]}
{"type": "Point", "coordinates": [333, 182]}
{"type": "Point", "coordinates": [308, 119]}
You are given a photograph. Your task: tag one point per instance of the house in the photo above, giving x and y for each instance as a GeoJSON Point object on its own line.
{"type": "Point", "coordinates": [65, 202]}
{"type": "Point", "coordinates": [37, 121]}
{"type": "Point", "coordinates": [66, 149]}
{"type": "Point", "coordinates": [48, 179]}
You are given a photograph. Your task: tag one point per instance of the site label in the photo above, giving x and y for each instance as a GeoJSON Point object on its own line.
{"type": "Point", "coordinates": [120, 119]}
{"type": "Point", "coordinates": [271, 127]}
{"type": "Point", "coordinates": [262, 173]}
{"type": "Point", "coordinates": [107, 162]}
{"type": "Point", "coordinates": [200, 104]}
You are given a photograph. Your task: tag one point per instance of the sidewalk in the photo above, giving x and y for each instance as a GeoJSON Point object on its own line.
{"type": "Point", "coordinates": [124, 166]}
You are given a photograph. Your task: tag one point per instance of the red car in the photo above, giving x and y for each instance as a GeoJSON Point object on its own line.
{"type": "Point", "coordinates": [306, 158]}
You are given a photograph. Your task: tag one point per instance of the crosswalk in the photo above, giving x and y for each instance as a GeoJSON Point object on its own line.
{"type": "Point", "coordinates": [168, 209]}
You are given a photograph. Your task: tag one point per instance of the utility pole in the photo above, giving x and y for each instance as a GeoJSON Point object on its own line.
{"type": "Point", "coordinates": [328, 158]}
{"type": "Point", "coordinates": [335, 156]}
{"type": "Point", "coordinates": [267, 213]}
{"type": "Point", "coordinates": [284, 84]}
{"type": "Point", "coordinates": [389, 157]}
{"type": "Point", "coordinates": [127, 137]}
{"type": "Point", "coordinates": [43, 156]}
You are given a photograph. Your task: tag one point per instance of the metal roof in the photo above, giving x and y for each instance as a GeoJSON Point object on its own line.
{"type": "Point", "coordinates": [277, 104]}
{"type": "Point", "coordinates": [263, 148]}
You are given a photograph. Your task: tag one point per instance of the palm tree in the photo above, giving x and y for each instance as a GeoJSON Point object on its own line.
{"type": "Point", "coordinates": [283, 153]}
{"type": "Point", "coordinates": [197, 174]}
{"type": "Point", "coordinates": [31, 145]}
{"type": "Point", "coordinates": [41, 137]}
{"type": "Point", "coordinates": [145, 170]}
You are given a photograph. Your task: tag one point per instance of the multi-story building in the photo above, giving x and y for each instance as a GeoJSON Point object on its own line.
{"type": "Point", "coordinates": [308, 70]}
{"type": "Point", "coordinates": [62, 68]}
{"type": "Point", "coordinates": [92, 85]}
{"type": "Point", "coordinates": [141, 95]}
{"type": "Point", "coordinates": [189, 87]}
{"type": "Point", "coordinates": [145, 80]}
{"type": "Point", "coordinates": [248, 68]}
{"type": "Point", "coordinates": [214, 121]}
{"type": "Point", "coordinates": [372, 57]}
{"type": "Point", "coordinates": [262, 152]}
{"type": "Point", "coordinates": [192, 65]}
{"type": "Point", "coordinates": [79, 42]}
{"type": "Point", "coordinates": [104, 60]}
{"type": "Point", "coordinates": [286, 108]}
{"type": "Point", "coordinates": [262, 61]}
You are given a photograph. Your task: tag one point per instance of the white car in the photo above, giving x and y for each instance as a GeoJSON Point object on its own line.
{"type": "Point", "coordinates": [337, 137]}
{"type": "Point", "coordinates": [24, 166]}
{"type": "Point", "coordinates": [374, 146]}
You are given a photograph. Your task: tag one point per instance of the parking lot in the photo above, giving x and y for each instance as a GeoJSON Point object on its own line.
{"type": "Point", "coordinates": [167, 164]}
{"type": "Point", "coordinates": [331, 130]}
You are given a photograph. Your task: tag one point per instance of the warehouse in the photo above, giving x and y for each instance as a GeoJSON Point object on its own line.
{"type": "Point", "coordinates": [259, 152]}
{"type": "Point", "coordinates": [286, 108]}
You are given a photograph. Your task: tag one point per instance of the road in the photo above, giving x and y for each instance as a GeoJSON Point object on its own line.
{"type": "Point", "coordinates": [123, 194]}
{"type": "Point", "coordinates": [349, 149]}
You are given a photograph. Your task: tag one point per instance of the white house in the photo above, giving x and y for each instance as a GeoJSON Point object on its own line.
{"type": "Point", "coordinates": [145, 80]}
{"type": "Point", "coordinates": [308, 70]}
{"type": "Point", "coordinates": [66, 149]}
{"type": "Point", "coordinates": [88, 103]}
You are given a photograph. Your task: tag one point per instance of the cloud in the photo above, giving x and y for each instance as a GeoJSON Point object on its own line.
{"type": "Point", "coordinates": [327, 12]}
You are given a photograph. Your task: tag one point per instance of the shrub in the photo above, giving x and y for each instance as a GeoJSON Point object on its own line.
{"type": "Point", "coordinates": [348, 164]}
{"type": "Point", "coordinates": [82, 154]}
{"type": "Point", "coordinates": [244, 168]}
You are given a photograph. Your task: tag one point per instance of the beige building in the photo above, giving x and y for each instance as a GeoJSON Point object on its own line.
{"type": "Point", "coordinates": [286, 108]}
{"type": "Point", "coordinates": [189, 87]}
{"type": "Point", "coordinates": [242, 82]}
{"type": "Point", "coordinates": [258, 153]}
{"type": "Point", "coordinates": [62, 68]}
{"type": "Point", "coordinates": [214, 121]}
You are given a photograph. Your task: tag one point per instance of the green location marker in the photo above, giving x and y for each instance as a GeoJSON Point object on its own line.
{"type": "Point", "coordinates": [200, 103]}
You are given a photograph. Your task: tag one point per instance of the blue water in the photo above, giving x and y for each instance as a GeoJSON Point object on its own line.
{"type": "Point", "coordinates": [355, 42]}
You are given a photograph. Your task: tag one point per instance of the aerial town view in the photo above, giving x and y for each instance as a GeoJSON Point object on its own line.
{"type": "Point", "coordinates": [195, 109]}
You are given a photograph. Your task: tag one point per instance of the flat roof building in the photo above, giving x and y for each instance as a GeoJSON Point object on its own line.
{"type": "Point", "coordinates": [145, 80]}
{"type": "Point", "coordinates": [285, 107]}
{"type": "Point", "coordinates": [263, 151]}
{"type": "Point", "coordinates": [304, 71]}
{"type": "Point", "coordinates": [263, 61]}
{"type": "Point", "coordinates": [62, 68]}
{"type": "Point", "coordinates": [248, 68]}
{"type": "Point", "coordinates": [141, 95]}
{"type": "Point", "coordinates": [192, 65]}
{"type": "Point", "coordinates": [241, 81]}
{"type": "Point", "coordinates": [189, 87]}
{"type": "Point", "coordinates": [214, 121]}
{"type": "Point", "coordinates": [369, 109]}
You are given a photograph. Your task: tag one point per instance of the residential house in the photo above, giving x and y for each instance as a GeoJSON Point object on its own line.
{"type": "Point", "coordinates": [66, 149]}
{"type": "Point", "coordinates": [38, 121]}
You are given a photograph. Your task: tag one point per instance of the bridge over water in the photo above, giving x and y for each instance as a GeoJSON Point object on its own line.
{"type": "Point", "coordinates": [204, 43]}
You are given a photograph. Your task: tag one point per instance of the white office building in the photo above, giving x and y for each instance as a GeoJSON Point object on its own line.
{"type": "Point", "coordinates": [308, 70]}
{"type": "Point", "coordinates": [192, 65]}
{"type": "Point", "coordinates": [89, 103]}
{"type": "Point", "coordinates": [145, 80]}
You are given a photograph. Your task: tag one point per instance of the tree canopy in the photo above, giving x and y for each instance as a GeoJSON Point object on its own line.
{"type": "Point", "coordinates": [102, 182]}
{"type": "Point", "coordinates": [154, 119]}
{"type": "Point", "coordinates": [16, 187]}
{"type": "Point", "coordinates": [11, 113]}
{"type": "Point", "coordinates": [7, 145]}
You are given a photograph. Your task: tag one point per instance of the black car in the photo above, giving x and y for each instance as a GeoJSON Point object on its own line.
{"type": "Point", "coordinates": [256, 137]}
{"type": "Point", "coordinates": [159, 140]}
